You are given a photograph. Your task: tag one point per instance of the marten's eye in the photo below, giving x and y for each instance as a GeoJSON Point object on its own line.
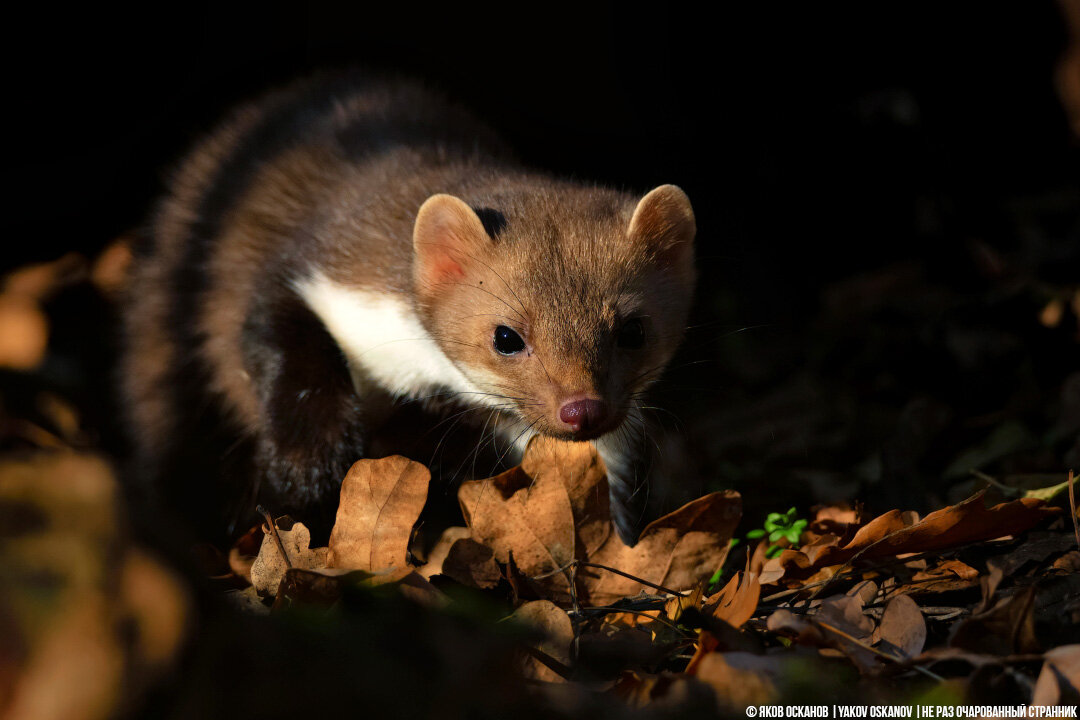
{"type": "Point", "coordinates": [631, 334]}
{"type": "Point", "coordinates": [507, 342]}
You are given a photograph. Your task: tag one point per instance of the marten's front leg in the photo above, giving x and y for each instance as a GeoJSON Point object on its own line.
{"type": "Point", "coordinates": [310, 412]}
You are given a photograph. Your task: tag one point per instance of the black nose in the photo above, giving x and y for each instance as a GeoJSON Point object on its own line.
{"type": "Point", "coordinates": [584, 416]}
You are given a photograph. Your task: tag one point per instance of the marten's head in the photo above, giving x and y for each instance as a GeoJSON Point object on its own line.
{"type": "Point", "coordinates": [560, 305]}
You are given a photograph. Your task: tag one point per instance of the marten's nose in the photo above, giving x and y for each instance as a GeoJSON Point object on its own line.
{"type": "Point", "coordinates": [584, 416]}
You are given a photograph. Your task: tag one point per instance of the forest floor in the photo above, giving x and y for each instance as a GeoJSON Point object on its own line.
{"type": "Point", "coordinates": [883, 515]}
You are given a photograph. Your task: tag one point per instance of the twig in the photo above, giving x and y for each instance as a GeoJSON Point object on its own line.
{"type": "Point", "coordinates": [655, 586]}
{"type": "Point", "coordinates": [875, 651]}
{"type": "Point", "coordinates": [582, 563]}
{"type": "Point", "coordinates": [1072, 508]}
{"type": "Point", "coordinates": [274, 533]}
{"type": "Point", "coordinates": [550, 663]}
{"type": "Point", "coordinates": [604, 609]}
{"type": "Point", "coordinates": [989, 479]}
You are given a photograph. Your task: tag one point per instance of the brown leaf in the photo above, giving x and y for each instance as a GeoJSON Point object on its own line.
{"type": "Point", "coordinates": [24, 333]}
{"type": "Point", "coordinates": [380, 502]}
{"type": "Point", "coordinates": [437, 556]}
{"type": "Point", "coordinates": [308, 587]}
{"type": "Point", "coordinates": [157, 601]}
{"type": "Point", "coordinates": [40, 281]}
{"type": "Point", "coordinates": [1059, 681]}
{"type": "Point", "coordinates": [269, 567]}
{"type": "Point", "coordinates": [1006, 629]}
{"type": "Point", "coordinates": [902, 626]}
{"type": "Point", "coordinates": [553, 509]}
{"type": "Point", "coordinates": [676, 551]}
{"type": "Point", "coordinates": [1035, 548]}
{"type": "Point", "coordinates": [244, 551]}
{"type": "Point", "coordinates": [472, 564]}
{"type": "Point", "coordinates": [953, 568]}
{"type": "Point", "coordinates": [896, 533]}
{"type": "Point", "coordinates": [528, 515]}
{"type": "Point", "coordinates": [838, 626]}
{"type": "Point", "coordinates": [741, 679]}
{"type": "Point", "coordinates": [558, 634]}
{"type": "Point", "coordinates": [736, 603]}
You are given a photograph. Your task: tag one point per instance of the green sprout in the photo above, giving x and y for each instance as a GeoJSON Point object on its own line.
{"type": "Point", "coordinates": [780, 525]}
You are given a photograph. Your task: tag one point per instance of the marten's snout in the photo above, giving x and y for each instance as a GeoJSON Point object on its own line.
{"type": "Point", "coordinates": [587, 417]}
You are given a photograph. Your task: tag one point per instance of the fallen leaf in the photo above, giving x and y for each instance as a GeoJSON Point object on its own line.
{"type": "Point", "coordinates": [244, 551]}
{"type": "Point", "coordinates": [1036, 547]}
{"type": "Point", "coordinates": [380, 502]}
{"type": "Point", "coordinates": [895, 533]}
{"type": "Point", "coordinates": [902, 627]}
{"type": "Point", "coordinates": [308, 587]}
{"type": "Point", "coordinates": [838, 627]}
{"type": "Point", "coordinates": [1059, 680]}
{"type": "Point", "coordinates": [24, 333]}
{"type": "Point", "coordinates": [675, 551]}
{"type": "Point", "coordinates": [741, 679]}
{"type": "Point", "coordinates": [269, 567]}
{"type": "Point", "coordinates": [529, 510]}
{"type": "Point", "coordinates": [738, 600]}
{"type": "Point", "coordinates": [40, 281]}
{"type": "Point", "coordinates": [437, 556]}
{"type": "Point", "coordinates": [87, 620]}
{"type": "Point", "coordinates": [557, 632]}
{"type": "Point", "coordinates": [472, 564]}
{"type": "Point", "coordinates": [1007, 628]}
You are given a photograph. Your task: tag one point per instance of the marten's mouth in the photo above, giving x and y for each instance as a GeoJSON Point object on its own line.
{"type": "Point", "coordinates": [591, 432]}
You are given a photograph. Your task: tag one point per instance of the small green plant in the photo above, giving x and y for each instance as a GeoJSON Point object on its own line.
{"type": "Point", "coordinates": [780, 525]}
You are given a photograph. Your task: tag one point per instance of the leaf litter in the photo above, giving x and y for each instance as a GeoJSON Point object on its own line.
{"type": "Point", "coordinates": [889, 596]}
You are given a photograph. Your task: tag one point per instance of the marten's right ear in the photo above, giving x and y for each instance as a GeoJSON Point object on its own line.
{"type": "Point", "coordinates": [447, 236]}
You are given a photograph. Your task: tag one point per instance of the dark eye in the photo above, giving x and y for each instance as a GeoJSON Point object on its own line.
{"type": "Point", "coordinates": [631, 334]}
{"type": "Point", "coordinates": [507, 342]}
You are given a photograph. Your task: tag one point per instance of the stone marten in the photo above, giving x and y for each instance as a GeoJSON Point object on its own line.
{"type": "Point", "coordinates": [347, 239]}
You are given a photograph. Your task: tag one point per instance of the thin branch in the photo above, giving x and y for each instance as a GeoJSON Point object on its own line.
{"type": "Point", "coordinates": [1072, 507]}
{"type": "Point", "coordinates": [655, 586]}
{"type": "Point", "coordinates": [274, 533]}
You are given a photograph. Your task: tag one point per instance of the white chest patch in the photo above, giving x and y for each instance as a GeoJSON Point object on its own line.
{"type": "Point", "coordinates": [384, 341]}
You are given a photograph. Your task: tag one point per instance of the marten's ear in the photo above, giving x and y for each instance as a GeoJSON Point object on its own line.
{"type": "Point", "coordinates": [447, 236]}
{"type": "Point", "coordinates": [664, 223]}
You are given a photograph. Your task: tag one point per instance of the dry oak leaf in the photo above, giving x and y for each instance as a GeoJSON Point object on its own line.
{"type": "Point", "coordinates": [437, 556]}
{"type": "Point", "coordinates": [472, 564]}
{"type": "Point", "coordinates": [457, 556]}
{"type": "Point", "coordinates": [676, 551]}
{"type": "Point", "coordinates": [558, 633]}
{"type": "Point", "coordinates": [380, 502]}
{"type": "Point", "coordinates": [269, 567]}
{"type": "Point", "coordinates": [738, 600]}
{"type": "Point", "coordinates": [553, 509]}
{"type": "Point", "coordinates": [896, 533]}
{"type": "Point", "coordinates": [548, 511]}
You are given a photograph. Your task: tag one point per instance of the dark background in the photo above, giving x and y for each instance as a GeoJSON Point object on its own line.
{"type": "Point", "coordinates": [919, 147]}
{"type": "Point", "coordinates": [814, 141]}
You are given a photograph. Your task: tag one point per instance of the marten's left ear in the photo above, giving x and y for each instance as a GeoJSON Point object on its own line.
{"type": "Point", "coordinates": [447, 236]}
{"type": "Point", "coordinates": [664, 223]}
